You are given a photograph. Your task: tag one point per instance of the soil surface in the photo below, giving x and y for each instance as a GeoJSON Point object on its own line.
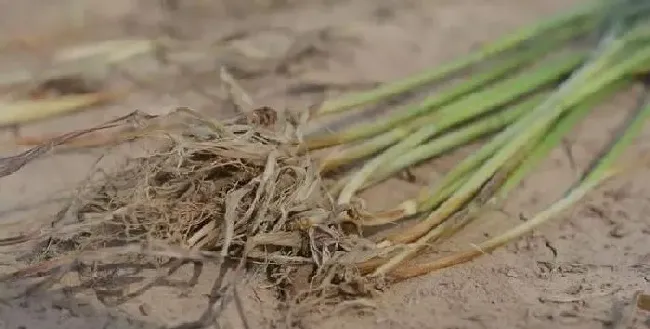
{"type": "Point", "coordinates": [579, 271]}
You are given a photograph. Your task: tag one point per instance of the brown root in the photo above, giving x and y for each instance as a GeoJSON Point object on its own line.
{"type": "Point", "coordinates": [237, 194]}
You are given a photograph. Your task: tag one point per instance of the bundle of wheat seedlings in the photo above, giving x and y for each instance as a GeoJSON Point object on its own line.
{"type": "Point", "coordinates": [245, 192]}
{"type": "Point", "coordinates": [526, 92]}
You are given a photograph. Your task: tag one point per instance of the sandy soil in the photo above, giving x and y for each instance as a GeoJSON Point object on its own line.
{"type": "Point", "coordinates": [578, 272]}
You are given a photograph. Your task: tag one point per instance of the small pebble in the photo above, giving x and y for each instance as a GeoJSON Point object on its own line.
{"type": "Point", "coordinates": [619, 231]}
{"type": "Point", "coordinates": [144, 309]}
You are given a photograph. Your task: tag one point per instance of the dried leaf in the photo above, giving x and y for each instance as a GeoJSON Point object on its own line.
{"type": "Point", "coordinates": [9, 165]}
{"type": "Point", "coordinates": [20, 112]}
{"type": "Point", "coordinates": [94, 139]}
{"type": "Point", "coordinates": [286, 239]}
{"type": "Point", "coordinates": [21, 238]}
{"type": "Point", "coordinates": [106, 52]}
{"type": "Point", "coordinates": [86, 60]}
{"type": "Point", "coordinates": [236, 93]}
{"type": "Point", "coordinates": [233, 199]}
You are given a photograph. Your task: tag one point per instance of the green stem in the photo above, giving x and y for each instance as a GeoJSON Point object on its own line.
{"type": "Point", "coordinates": [410, 111]}
{"type": "Point", "coordinates": [471, 106]}
{"type": "Point", "coordinates": [531, 125]}
{"type": "Point", "coordinates": [635, 125]}
{"type": "Point", "coordinates": [441, 195]}
{"type": "Point", "coordinates": [553, 138]}
{"type": "Point", "coordinates": [605, 57]}
{"type": "Point", "coordinates": [526, 34]}
{"type": "Point", "coordinates": [601, 172]}
{"type": "Point", "coordinates": [360, 150]}
{"type": "Point", "coordinates": [404, 272]}
{"type": "Point", "coordinates": [489, 124]}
